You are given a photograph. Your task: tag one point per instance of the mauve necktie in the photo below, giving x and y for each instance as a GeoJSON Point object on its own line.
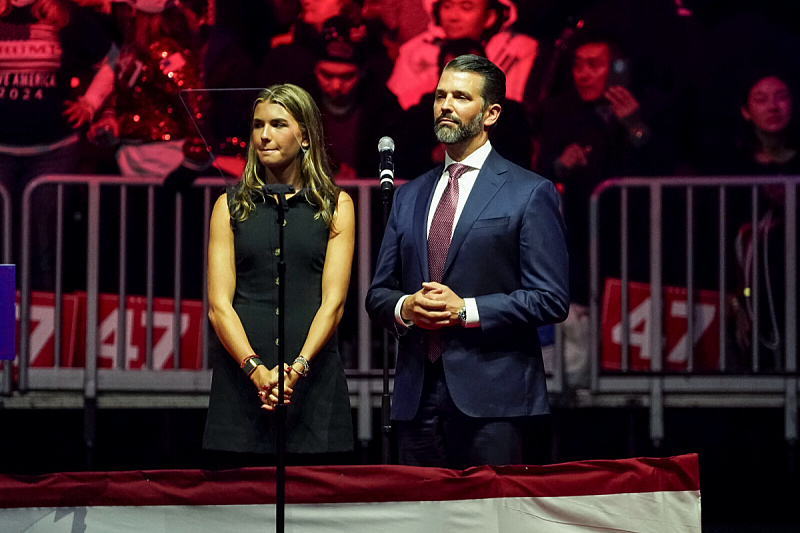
{"type": "Point", "coordinates": [439, 241]}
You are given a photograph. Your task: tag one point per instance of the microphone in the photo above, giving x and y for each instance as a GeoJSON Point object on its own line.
{"type": "Point", "coordinates": [386, 166]}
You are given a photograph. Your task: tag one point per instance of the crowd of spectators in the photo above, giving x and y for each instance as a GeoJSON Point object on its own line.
{"type": "Point", "coordinates": [596, 88]}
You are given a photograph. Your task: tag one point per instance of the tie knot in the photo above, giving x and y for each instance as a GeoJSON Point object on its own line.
{"type": "Point", "coordinates": [456, 170]}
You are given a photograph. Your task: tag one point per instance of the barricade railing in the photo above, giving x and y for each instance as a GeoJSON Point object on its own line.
{"type": "Point", "coordinates": [61, 377]}
{"type": "Point", "coordinates": [5, 234]}
{"type": "Point", "coordinates": [673, 376]}
{"type": "Point", "coordinates": [107, 366]}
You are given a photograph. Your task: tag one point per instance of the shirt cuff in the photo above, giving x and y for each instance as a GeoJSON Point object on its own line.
{"type": "Point", "coordinates": [473, 319]}
{"type": "Point", "coordinates": [398, 318]}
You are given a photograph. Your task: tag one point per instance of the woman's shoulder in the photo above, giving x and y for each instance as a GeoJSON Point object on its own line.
{"type": "Point", "coordinates": [225, 200]}
{"type": "Point", "coordinates": [344, 206]}
{"type": "Point", "coordinates": [343, 197]}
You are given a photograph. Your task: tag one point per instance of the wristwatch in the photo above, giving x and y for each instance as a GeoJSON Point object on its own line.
{"type": "Point", "coordinates": [462, 316]}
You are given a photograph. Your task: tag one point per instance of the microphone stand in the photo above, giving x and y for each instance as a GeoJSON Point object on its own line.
{"type": "Point", "coordinates": [280, 190]}
{"type": "Point", "coordinates": [386, 399]}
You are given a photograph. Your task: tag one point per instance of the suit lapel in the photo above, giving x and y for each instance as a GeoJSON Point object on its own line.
{"type": "Point", "coordinates": [421, 210]}
{"type": "Point", "coordinates": [489, 181]}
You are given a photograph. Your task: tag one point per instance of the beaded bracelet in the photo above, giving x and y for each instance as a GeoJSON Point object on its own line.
{"type": "Point", "coordinates": [303, 361]}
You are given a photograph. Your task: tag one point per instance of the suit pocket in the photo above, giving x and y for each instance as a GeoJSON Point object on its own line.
{"type": "Point", "coordinates": [490, 222]}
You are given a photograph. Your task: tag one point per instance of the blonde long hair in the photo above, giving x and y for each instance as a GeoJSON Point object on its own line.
{"type": "Point", "coordinates": [315, 176]}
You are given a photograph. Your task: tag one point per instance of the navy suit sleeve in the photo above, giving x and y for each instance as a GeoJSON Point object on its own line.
{"type": "Point", "coordinates": [385, 290]}
{"type": "Point", "coordinates": [544, 296]}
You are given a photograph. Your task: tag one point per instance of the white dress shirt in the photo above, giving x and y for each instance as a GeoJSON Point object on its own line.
{"type": "Point", "coordinates": [475, 161]}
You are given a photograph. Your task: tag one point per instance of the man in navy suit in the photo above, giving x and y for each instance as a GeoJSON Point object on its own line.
{"type": "Point", "coordinates": [473, 260]}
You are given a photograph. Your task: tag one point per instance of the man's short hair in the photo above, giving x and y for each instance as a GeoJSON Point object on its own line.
{"type": "Point", "coordinates": [596, 36]}
{"type": "Point", "coordinates": [494, 81]}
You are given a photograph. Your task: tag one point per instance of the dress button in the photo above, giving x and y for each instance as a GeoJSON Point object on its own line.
{"type": "Point", "coordinates": [277, 252]}
{"type": "Point", "coordinates": [277, 281]}
{"type": "Point", "coordinates": [277, 311]}
{"type": "Point", "coordinates": [277, 342]}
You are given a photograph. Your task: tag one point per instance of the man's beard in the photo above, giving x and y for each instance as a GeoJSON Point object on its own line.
{"type": "Point", "coordinates": [460, 132]}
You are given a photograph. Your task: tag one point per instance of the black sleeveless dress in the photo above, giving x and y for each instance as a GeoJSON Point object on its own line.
{"type": "Point", "coordinates": [318, 418]}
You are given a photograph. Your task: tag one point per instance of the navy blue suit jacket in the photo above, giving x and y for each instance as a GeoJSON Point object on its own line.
{"type": "Point", "coordinates": [508, 252]}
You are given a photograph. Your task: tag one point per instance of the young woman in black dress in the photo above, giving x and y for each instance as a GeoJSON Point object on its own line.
{"type": "Point", "coordinates": [286, 147]}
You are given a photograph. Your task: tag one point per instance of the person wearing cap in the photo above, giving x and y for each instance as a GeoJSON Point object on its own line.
{"type": "Point", "coordinates": [291, 54]}
{"type": "Point", "coordinates": [356, 110]}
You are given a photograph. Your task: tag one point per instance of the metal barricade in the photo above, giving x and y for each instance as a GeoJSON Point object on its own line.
{"type": "Point", "coordinates": [90, 378]}
{"type": "Point", "coordinates": [724, 385]}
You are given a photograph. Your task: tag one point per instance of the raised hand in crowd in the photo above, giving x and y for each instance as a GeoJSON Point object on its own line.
{"type": "Point", "coordinates": [103, 129]}
{"type": "Point", "coordinates": [78, 112]}
{"type": "Point", "coordinates": [574, 155]}
{"type": "Point", "coordinates": [623, 103]}
{"type": "Point", "coordinates": [625, 108]}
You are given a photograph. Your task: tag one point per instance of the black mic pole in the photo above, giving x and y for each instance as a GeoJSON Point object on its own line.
{"type": "Point", "coordinates": [386, 170]}
{"type": "Point", "coordinates": [386, 399]}
{"type": "Point", "coordinates": [280, 410]}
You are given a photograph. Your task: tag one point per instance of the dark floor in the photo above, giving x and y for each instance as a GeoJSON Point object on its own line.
{"type": "Point", "coordinates": [748, 473]}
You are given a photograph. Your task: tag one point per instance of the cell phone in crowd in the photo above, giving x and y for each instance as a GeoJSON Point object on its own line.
{"type": "Point", "coordinates": [619, 73]}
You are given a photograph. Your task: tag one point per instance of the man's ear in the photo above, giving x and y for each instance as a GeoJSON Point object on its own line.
{"type": "Point", "coordinates": [746, 114]}
{"type": "Point", "coordinates": [491, 114]}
